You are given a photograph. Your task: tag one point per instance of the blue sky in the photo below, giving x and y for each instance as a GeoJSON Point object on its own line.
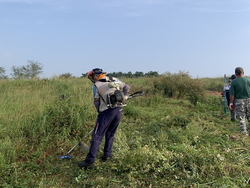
{"type": "Point", "coordinates": [207, 38]}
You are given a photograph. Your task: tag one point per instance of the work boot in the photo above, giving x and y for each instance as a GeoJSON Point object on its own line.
{"type": "Point", "coordinates": [106, 158]}
{"type": "Point", "coordinates": [85, 165]}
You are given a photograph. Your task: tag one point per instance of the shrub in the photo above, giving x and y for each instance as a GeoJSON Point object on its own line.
{"type": "Point", "coordinates": [179, 86]}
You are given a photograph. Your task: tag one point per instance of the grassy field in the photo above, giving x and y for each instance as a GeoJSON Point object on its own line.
{"type": "Point", "coordinates": [176, 135]}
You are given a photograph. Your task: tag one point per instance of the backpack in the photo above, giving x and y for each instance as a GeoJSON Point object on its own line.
{"type": "Point", "coordinates": [116, 98]}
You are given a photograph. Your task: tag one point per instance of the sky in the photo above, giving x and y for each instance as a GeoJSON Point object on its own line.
{"type": "Point", "coordinates": [206, 38]}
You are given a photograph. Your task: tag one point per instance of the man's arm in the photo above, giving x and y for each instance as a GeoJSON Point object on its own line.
{"type": "Point", "coordinates": [232, 92]}
{"type": "Point", "coordinates": [97, 104]}
{"type": "Point", "coordinates": [126, 89]}
{"type": "Point", "coordinates": [96, 98]}
{"type": "Point", "coordinates": [231, 98]}
{"type": "Point", "coordinates": [231, 105]}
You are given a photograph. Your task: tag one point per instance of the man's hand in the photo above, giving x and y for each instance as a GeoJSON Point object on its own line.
{"type": "Point", "coordinates": [231, 106]}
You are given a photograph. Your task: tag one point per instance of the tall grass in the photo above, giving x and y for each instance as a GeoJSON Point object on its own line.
{"type": "Point", "coordinates": [213, 84]}
{"type": "Point", "coordinates": [163, 140]}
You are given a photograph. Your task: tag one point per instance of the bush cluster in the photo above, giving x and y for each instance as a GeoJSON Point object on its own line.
{"type": "Point", "coordinates": [180, 86]}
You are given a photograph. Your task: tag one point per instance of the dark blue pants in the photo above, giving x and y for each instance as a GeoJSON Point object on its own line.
{"type": "Point", "coordinates": [106, 125]}
{"type": "Point", "coordinates": [232, 112]}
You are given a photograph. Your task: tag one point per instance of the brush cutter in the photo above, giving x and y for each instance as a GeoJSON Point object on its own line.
{"type": "Point", "coordinates": [83, 147]}
{"type": "Point", "coordinates": [136, 94]}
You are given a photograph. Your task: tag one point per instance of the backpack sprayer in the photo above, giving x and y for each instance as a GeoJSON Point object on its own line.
{"type": "Point", "coordinates": [117, 99]}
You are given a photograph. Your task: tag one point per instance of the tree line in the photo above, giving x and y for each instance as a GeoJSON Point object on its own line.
{"type": "Point", "coordinates": [34, 68]}
{"type": "Point", "coordinates": [130, 74]}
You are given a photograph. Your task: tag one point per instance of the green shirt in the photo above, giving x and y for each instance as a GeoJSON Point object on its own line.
{"type": "Point", "coordinates": [240, 88]}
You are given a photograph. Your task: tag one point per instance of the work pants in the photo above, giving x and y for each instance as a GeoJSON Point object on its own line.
{"type": "Point", "coordinates": [242, 110]}
{"type": "Point", "coordinates": [106, 125]}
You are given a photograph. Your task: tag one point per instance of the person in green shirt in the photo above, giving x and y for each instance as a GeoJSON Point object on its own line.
{"type": "Point", "coordinates": [240, 92]}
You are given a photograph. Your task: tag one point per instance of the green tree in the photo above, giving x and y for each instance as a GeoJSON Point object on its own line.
{"type": "Point", "coordinates": [2, 73]}
{"type": "Point", "coordinates": [152, 73]}
{"type": "Point", "coordinates": [139, 74]}
{"type": "Point", "coordinates": [129, 75]}
{"type": "Point", "coordinates": [66, 75]}
{"type": "Point", "coordinates": [32, 70]}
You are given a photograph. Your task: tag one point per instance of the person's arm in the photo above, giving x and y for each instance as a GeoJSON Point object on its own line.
{"type": "Point", "coordinates": [97, 104]}
{"type": "Point", "coordinates": [96, 98]}
{"type": "Point", "coordinates": [231, 105]}
{"type": "Point", "coordinates": [126, 89]}
{"type": "Point", "coordinates": [231, 98]}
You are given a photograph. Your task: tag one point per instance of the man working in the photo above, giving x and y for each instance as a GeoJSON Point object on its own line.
{"type": "Point", "coordinates": [109, 114]}
{"type": "Point", "coordinates": [240, 92]}
{"type": "Point", "coordinates": [226, 91]}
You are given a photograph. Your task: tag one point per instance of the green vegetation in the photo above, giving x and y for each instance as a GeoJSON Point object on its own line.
{"type": "Point", "coordinates": [30, 71]}
{"type": "Point", "coordinates": [176, 135]}
{"type": "Point", "coordinates": [2, 73]}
